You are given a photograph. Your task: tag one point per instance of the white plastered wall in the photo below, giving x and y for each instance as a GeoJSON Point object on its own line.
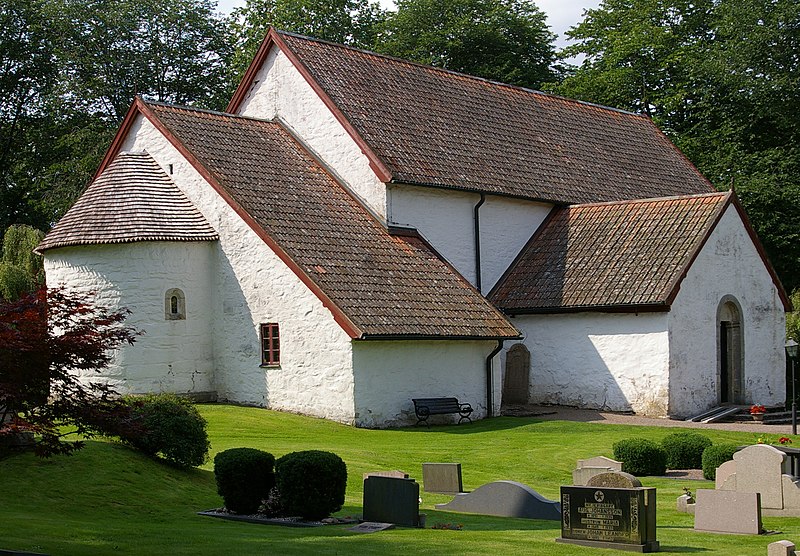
{"type": "Point", "coordinates": [728, 265]}
{"type": "Point", "coordinates": [446, 219]}
{"type": "Point", "coordinates": [251, 285]}
{"type": "Point", "coordinates": [280, 91]}
{"type": "Point", "coordinates": [617, 362]}
{"type": "Point", "coordinates": [172, 355]}
{"type": "Point", "coordinates": [389, 374]}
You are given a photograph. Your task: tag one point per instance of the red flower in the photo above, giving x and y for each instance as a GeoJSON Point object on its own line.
{"type": "Point", "coordinates": [785, 440]}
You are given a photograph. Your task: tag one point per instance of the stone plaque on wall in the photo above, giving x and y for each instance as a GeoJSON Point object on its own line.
{"type": "Point", "coordinates": [621, 518]}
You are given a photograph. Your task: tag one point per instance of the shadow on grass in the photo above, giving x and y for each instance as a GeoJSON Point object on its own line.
{"type": "Point", "coordinates": [484, 425]}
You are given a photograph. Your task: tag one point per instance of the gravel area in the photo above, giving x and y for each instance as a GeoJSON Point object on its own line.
{"type": "Point", "coordinates": [552, 412]}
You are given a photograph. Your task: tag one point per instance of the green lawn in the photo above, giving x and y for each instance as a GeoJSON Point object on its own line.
{"type": "Point", "coordinates": [108, 499]}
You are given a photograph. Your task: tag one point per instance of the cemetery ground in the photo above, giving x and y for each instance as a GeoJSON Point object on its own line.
{"type": "Point", "coordinates": [109, 499]}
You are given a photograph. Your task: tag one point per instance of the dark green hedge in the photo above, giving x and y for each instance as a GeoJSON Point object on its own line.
{"type": "Point", "coordinates": [244, 478]}
{"type": "Point", "coordinates": [640, 457]}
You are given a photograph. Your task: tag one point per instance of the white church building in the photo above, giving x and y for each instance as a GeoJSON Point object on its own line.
{"type": "Point", "coordinates": [356, 231]}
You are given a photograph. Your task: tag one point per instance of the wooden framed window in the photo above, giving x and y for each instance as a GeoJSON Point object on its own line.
{"type": "Point", "coordinates": [270, 344]}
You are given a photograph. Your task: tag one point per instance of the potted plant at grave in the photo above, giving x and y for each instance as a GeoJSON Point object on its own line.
{"type": "Point", "coordinates": [758, 411]}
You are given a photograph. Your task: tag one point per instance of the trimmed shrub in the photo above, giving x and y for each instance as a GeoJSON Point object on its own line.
{"type": "Point", "coordinates": [311, 484]}
{"type": "Point", "coordinates": [244, 478]}
{"type": "Point", "coordinates": [168, 426]}
{"type": "Point", "coordinates": [640, 456]}
{"type": "Point", "coordinates": [716, 455]}
{"type": "Point", "coordinates": [685, 449]}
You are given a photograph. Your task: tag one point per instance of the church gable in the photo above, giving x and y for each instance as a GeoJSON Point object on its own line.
{"type": "Point", "coordinates": [624, 256]}
{"type": "Point", "coordinates": [428, 126]}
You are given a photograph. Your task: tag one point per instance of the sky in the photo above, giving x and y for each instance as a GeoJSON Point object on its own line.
{"type": "Point", "coordinates": [561, 14]}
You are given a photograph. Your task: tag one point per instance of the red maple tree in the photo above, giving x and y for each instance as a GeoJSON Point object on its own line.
{"type": "Point", "coordinates": [47, 339]}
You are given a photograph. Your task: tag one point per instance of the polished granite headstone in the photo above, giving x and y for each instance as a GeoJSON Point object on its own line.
{"type": "Point", "coordinates": [620, 518]}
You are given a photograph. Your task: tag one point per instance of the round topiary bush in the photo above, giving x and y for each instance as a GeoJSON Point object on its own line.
{"type": "Point", "coordinates": [685, 449]}
{"type": "Point", "coordinates": [716, 455]}
{"type": "Point", "coordinates": [640, 456]}
{"type": "Point", "coordinates": [311, 484]}
{"type": "Point", "coordinates": [244, 478]}
{"type": "Point", "coordinates": [169, 426]}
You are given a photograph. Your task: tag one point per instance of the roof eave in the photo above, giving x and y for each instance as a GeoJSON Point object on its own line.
{"type": "Point", "coordinates": [657, 307]}
{"type": "Point", "coordinates": [431, 337]}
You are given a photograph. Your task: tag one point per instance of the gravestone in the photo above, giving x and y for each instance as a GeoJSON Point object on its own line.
{"type": "Point", "coordinates": [725, 478]}
{"type": "Point", "coordinates": [516, 382]}
{"type": "Point", "coordinates": [614, 479]}
{"type": "Point", "coordinates": [588, 468]}
{"type": "Point", "coordinates": [443, 478]}
{"type": "Point", "coordinates": [504, 499]}
{"type": "Point", "coordinates": [371, 527]}
{"type": "Point", "coordinates": [620, 518]}
{"type": "Point", "coordinates": [780, 548]}
{"type": "Point", "coordinates": [395, 474]}
{"type": "Point", "coordinates": [391, 500]}
{"type": "Point", "coordinates": [726, 511]}
{"type": "Point", "coordinates": [759, 469]}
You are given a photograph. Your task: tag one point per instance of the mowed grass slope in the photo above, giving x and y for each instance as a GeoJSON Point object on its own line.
{"type": "Point", "coordinates": [108, 499]}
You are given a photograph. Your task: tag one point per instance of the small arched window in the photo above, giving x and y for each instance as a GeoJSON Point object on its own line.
{"type": "Point", "coordinates": [174, 305]}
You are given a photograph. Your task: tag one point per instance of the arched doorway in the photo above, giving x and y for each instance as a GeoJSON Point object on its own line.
{"type": "Point", "coordinates": [517, 376]}
{"type": "Point", "coordinates": [730, 342]}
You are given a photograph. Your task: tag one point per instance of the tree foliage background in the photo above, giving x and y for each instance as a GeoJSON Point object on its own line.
{"type": "Point", "coordinates": [69, 70]}
{"type": "Point", "coordinates": [720, 77]}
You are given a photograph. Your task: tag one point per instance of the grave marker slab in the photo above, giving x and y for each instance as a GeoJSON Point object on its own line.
{"type": "Point", "coordinates": [371, 527]}
{"type": "Point", "coordinates": [614, 479]}
{"type": "Point", "coordinates": [780, 548]}
{"type": "Point", "coordinates": [727, 511]}
{"type": "Point", "coordinates": [394, 473]}
{"type": "Point", "coordinates": [442, 478]}
{"type": "Point", "coordinates": [391, 500]}
{"type": "Point", "coordinates": [505, 499]}
{"type": "Point", "coordinates": [620, 518]}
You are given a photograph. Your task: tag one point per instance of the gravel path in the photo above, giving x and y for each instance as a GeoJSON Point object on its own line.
{"type": "Point", "coordinates": [552, 412]}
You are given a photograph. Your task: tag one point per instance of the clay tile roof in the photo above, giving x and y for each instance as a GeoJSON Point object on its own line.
{"type": "Point", "coordinates": [434, 127]}
{"type": "Point", "coordinates": [387, 285]}
{"type": "Point", "coordinates": [623, 255]}
{"type": "Point", "coordinates": [132, 200]}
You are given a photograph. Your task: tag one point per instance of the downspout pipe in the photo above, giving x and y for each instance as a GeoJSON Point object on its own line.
{"type": "Point", "coordinates": [476, 217]}
{"type": "Point", "coordinates": [489, 381]}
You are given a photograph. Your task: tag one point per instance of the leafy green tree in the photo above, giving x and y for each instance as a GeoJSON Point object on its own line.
{"type": "Point", "coordinates": [69, 70]}
{"type": "Point", "coordinates": [28, 75]}
{"type": "Point", "coordinates": [721, 78]}
{"type": "Point", "coordinates": [793, 318]}
{"type": "Point", "coordinates": [503, 40]}
{"type": "Point", "coordinates": [21, 269]}
{"type": "Point", "coordinates": [173, 51]}
{"type": "Point", "coordinates": [350, 22]}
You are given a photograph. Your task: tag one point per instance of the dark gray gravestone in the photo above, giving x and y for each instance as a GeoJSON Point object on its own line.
{"type": "Point", "coordinates": [391, 500]}
{"type": "Point", "coordinates": [621, 518]}
{"type": "Point", "coordinates": [506, 499]}
{"type": "Point", "coordinates": [444, 478]}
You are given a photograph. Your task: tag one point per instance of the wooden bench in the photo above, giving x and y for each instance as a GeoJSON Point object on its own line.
{"type": "Point", "coordinates": [425, 407]}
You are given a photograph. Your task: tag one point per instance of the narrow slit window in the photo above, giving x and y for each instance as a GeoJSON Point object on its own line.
{"type": "Point", "coordinates": [270, 345]}
{"type": "Point", "coordinates": [174, 305]}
